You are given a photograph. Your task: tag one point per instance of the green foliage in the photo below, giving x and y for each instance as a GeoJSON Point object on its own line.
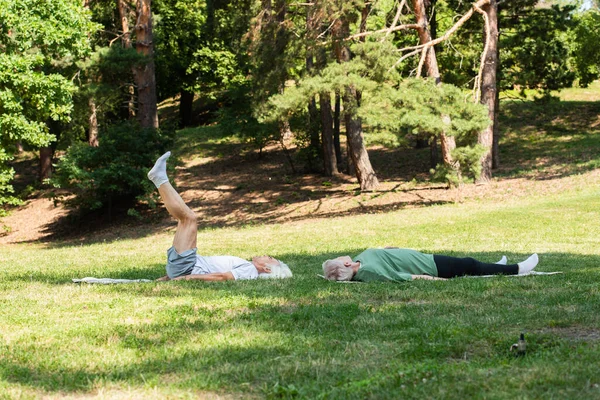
{"type": "Point", "coordinates": [586, 47]}
{"type": "Point", "coordinates": [236, 116]}
{"type": "Point", "coordinates": [39, 45]}
{"type": "Point", "coordinates": [105, 76]}
{"type": "Point", "coordinates": [535, 52]}
{"type": "Point", "coordinates": [214, 67]}
{"type": "Point", "coordinates": [199, 44]}
{"type": "Point", "coordinates": [534, 45]}
{"type": "Point", "coordinates": [115, 171]}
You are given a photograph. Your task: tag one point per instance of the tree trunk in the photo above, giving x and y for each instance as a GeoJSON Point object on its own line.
{"type": "Point", "coordinates": [313, 113]}
{"type": "Point", "coordinates": [329, 156]}
{"type": "Point", "coordinates": [45, 171]}
{"type": "Point", "coordinates": [488, 90]}
{"type": "Point", "coordinates": [123, 13]}
{"type": "Point", "coordinates": [336, 127]}
{"type": "Point", "coordinates": [447, 143]}
{"type": "Point", "coordinates": [93, 123]}
{"type": "Point", "coordinates": [126, 41]}
{"type": "Point", "coordinates": [186, 104]}
{"type": "Point", "coordinates": [327, 125]}
{"type": "Point", "coordinates": [496, 140]}
{"type": "Point", "coordinates": [144, 75]}
{"type": "Point", "coordinates": [358, 152]}
{"type": "Point", "coordinates": [433, 153]}
{"type": "Point", "coordinates": [313, 126]}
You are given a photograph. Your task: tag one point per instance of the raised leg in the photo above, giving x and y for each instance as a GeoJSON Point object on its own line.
{"type": "Point", "coordinates": [187, 225]}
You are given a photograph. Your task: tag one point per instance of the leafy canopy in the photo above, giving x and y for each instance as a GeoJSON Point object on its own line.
{"type": "Point", "coordinates": [39, 44]}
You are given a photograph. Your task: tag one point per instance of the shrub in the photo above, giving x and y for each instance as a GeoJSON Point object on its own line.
{"type": "Point", "coordinates": [114, 173]}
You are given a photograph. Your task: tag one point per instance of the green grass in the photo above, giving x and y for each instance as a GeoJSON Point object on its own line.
{"type": "Point", "coordinates": [307, 337]}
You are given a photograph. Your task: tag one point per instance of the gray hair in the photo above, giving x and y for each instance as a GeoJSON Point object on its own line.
{"type": "Point", "coordinates": [335, 270]}
{"type": "Point", "coordinates": [280, 270]}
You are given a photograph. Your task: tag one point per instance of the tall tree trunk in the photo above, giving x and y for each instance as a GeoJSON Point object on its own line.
{"type": "Point", "coordinates": [496, 141]}
{"type": "Point", "coordinates": [126, 41]}
{"type": "Point", "coordinates": [336, 127]}
{"type": "Point", "coordinates": [186, 104]}
{"type": "Point", "coordinates": [144, 76]}
{"type": "Point", "coordinates": [356, 147]}
{"type": "Point", "coordinates": [433, 152]}
{"type": "Point", "coordinates": [329, 156]}
{"type": "Point", "coordinates": [45, 171]}
{"type": "Point", "coordinates": [123, 15]}
{"type": "Point", "coordinates": [447, 143]}
{"type": "Point", "coordinates": [327, 124]}
{"type": "Point", "coordinates": [93, 123]}
{"type": "Point", "coordinates": [431, 10]}
{"type": "Point", "coordinates": [488, 89]}
{"type": "Point", "coordinates": [313, 114]}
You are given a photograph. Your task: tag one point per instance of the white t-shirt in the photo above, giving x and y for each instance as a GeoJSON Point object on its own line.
{"type": "Point", "coordinates": [240, 268]}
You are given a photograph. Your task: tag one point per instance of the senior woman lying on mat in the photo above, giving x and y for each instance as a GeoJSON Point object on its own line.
{"type": "Point", "coordinates": [183, 262]}
{"type": "Point", "coordinates": [398, 265]}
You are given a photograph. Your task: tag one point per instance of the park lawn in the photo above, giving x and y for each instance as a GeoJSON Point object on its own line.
{"type": "Point", "coordinates": [309, 338]}
{"type": "Point", "coordinates": [306, 337]}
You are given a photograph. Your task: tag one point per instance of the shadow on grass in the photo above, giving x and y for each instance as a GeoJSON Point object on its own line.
{"type": "Point", "coordinates": [370, 331]}
{"type": "Point", "coordinates": [551, 140]}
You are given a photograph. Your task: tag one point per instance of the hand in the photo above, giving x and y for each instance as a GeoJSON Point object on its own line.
{"type": "Point", "coordinates": [164, 278]}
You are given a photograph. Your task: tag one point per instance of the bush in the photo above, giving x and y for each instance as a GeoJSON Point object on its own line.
{"type": "Point", "coordinates": [114, 173]}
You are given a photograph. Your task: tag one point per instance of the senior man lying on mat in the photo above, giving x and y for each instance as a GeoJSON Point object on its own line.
{"type": "Point", "coordinates": [183, 262]}
{"type": "Point", "coordinates": [398, 265]}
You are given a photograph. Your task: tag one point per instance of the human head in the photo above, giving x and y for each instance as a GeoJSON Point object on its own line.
{"type": "Point", "coordinates": [271, 268]}
{"type": "Point", "coordinates": [339, 269]}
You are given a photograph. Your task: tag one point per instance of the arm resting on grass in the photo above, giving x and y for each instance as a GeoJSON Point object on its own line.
{"type": "Point", "coordinates": [220, 276]}
{"type": "Point", "coordinates": [428, 277]}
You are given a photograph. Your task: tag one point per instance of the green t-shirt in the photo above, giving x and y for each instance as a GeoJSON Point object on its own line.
{"type": "Point", "coordinates": [396, 265]}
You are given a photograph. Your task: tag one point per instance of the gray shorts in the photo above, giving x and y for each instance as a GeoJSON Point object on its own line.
{"type": "Point", "coordinates": [180, 264]}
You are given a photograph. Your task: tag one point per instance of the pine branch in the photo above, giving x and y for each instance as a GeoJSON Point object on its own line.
{"type": "Point", "coordinates": [424, 52]}
{"type": "Point", "coordinates": [450, 31]}
{"type": "Point", "coordinates": [394, 29]}
{"type": "Point", "coordinates": [396, 18]}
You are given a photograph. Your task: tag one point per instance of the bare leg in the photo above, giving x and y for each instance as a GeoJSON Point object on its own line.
{"type": "Point", "coordinates": [187, 225]}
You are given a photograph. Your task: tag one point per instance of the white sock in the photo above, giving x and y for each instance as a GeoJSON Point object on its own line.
{"type": "Point", "coordinates": [502, 261]}
{"type": "Point", "coordinates": [528, 265]}
{"type": "Point", "coordinates": [158, 173]}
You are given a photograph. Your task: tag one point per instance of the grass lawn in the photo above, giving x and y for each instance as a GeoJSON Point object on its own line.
{"type": "Point", "coordinates": [309, 338]}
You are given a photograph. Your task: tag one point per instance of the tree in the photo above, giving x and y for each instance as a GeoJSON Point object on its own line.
{"type": "Point", "coordinates": [489, 64]}
{"type": "Point", "coordinates": [354, 133]}
{"type": "Point", "coordinates": [586, 49]}
{"type": "Point", "coordinates": [448, 143]}
{"type": "Point", "coordinates": [144, 74]}
{"type": "Point", "coordinates": [534, 50]}
{"type": "Point", "coordinates": [39, 43]}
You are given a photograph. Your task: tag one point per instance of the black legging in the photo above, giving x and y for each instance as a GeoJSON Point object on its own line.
{"type": "Point", "coordinates": [450, 267]}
